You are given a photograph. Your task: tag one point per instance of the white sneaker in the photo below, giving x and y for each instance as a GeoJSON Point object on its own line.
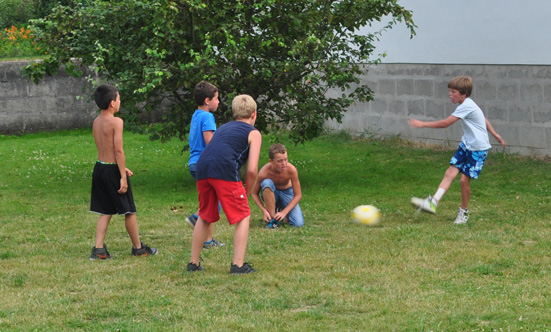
{"type": "Point", "coordinates": [426, 204]}
{"type": "Point", "coordinates": [462, 216]}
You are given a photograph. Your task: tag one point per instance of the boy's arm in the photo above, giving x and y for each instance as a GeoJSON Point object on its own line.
{"type": "Point", "coordinates": [494, 133]}
{"type": "Point", "coordinates": [119, 154]}
{"type": "Point", "coordinates": [433, 124]}
{"type": "Point", "coordinates": [207, 136]}
{"type": "Point", "coordinates": [293, 174]}
{"type": "Point", "coordinates": [255, 193]}
{"type": "Point", "coordinates": [255, 142]}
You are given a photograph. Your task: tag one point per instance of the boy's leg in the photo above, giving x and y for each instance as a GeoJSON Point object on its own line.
{"type": "Point", "coordinates": [240, 238]}
{"type": "Point", "coordinates": [101, 229]}
{"type": "Point", "coordinates": [465, 191]}
{"type": "Point", "coordinates": [449, 176]}
{"type": "Point", "coordinates": [200, 232]}
{"type": "Point", "coordinates": [295, 217]}
{"type": "Point", "coordinates": [131, 224]}
{"type": "Point", "coordinates": [269, 200]}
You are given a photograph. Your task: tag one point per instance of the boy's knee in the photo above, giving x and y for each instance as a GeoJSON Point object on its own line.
{"type": "Point", "coordinates": [268, 184]}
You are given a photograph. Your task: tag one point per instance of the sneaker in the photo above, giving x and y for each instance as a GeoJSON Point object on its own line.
{"type": "Point", "coordinates": [246, 268]}
{"type": "Point", "coordinates": [145, 250]}
{"type": "Point", "coordinates": [272, 224]}
{"type": "Point", "coordinates": [100, 253]}
{"type": "Point", "coordinates": [192, 267]}
{"type": "Point", "coordinates": [191, 220]}
{"type": "Point", "coordinates": [213, 243]}
{"type": "Point", "coordinates": [462, 216]}
{"type": "Point", "coordinates": [428, 204]}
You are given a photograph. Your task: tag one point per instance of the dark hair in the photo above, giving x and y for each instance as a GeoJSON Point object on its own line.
{"type": "Point", "coordinates": [204, 90]}
{"type": "Point", "coordinates": [104, 94]}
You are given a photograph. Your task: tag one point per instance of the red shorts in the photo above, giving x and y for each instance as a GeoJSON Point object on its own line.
{"type": "Point", "coordinates": [231, 195]}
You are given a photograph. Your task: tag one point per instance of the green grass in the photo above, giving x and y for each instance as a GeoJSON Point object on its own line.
{"type": "Point", "coordinates": [408, 274]}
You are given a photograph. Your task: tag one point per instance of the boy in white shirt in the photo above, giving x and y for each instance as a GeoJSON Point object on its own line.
{"type": "Point", "coordinates": [473, 149]}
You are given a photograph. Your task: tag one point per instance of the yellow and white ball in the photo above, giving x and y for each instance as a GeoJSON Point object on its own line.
{"type": "Point", "coordinates": [366, 214]}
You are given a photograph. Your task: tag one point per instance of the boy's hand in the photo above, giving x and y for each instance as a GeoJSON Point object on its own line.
{"type": "Point", "coordinates": [267, 217]}
{"type": "Point", "coordinates": [280, 216]}
{"type": "Point", "coordinates": [415, 123]}
{"type": "Point", "coordinates": [501, 141]}
{"type": "Point", "coordinates": [124, 186]}
{"type": "Point", "coordinates": [128, 172]}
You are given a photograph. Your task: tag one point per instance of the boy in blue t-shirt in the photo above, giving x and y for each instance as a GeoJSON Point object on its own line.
{"type": "Point", "coordinates": [473, 149]}
{"type": "Point", "coordinates": [201, 130]}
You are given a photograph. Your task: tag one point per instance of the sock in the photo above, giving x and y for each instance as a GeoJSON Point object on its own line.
{"type": "Point", "coordinates": [439, 193]}
{"type": "Point", "coordinates": [196, 216]}
{"type": "Point", "coordinates": [207, 242]}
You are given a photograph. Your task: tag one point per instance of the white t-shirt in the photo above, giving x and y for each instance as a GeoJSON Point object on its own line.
{"type": "Point", "coordinates": [475, 134]}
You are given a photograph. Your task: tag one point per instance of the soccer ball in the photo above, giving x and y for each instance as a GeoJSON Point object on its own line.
{"type": "Point", "coordinates": [366, 214]}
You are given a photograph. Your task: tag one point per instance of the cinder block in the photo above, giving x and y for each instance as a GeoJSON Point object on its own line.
{"type": "Point", "coordinates": [379, 106]}
{"type": "Point", "coordinates": [485, 91]}
{"type": "Point", "coordinates": [520, 113]}
{"type": "Point", "coordinates": [424, 88]}
{"type": "Point", "coordinates": [532, 137]}
{"type": "Point", "coordinates": [542, 113]}
{"type": "Point", "coordinates": [405, 87]}
{"type": "Point", "coordinates": [397, 107]}
{"type": "Point", "coordinates": [435, 109]}
{"type": "Point", "coordinates": [387, 87]}
{"type": "Point", "coordinates": [416, 108]}
{"type": "Point", "coordinates": [531, 92]}
{"type": "Point", "coordinates": [496, 111]}
{"type": "Point", "coordinates": [508, 92]}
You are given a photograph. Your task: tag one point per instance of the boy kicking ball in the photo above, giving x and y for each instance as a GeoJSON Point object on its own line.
{"type": "Point", "coordinates": [472, 152]}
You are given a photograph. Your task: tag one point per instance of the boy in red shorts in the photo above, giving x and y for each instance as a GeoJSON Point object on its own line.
{"type": "Point", "coordinates": [218, 181]}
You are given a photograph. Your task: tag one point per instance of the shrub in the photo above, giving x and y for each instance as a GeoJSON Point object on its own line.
{"type": "Point", "coordinates": [18, 42]}
{"type": "Point", "coordinates": [16, 12]}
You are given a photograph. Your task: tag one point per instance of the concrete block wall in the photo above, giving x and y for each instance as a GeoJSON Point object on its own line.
{"type": "Point", "coordinates": [516, 99]}
{"type": "Point", "coordinates": [51, 105]}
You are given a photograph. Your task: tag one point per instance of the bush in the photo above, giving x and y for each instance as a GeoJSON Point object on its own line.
{"type": "Point", "coordinates": [16, 12]}
{"type": "Point", "coordinates": [18, 42]}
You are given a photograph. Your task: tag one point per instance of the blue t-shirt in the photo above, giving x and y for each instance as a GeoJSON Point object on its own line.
{"type": "Point", "coordinates": [200, 121]}
{"type": "Point", "coordinates": [226, 153]}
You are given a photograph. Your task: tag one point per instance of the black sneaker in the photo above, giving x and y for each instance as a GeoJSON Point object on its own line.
{"type": "Point", "coordinates": [192, 267]}
{"type": "Point", "coordinates": [246, 268]}
{"type": "Point", "coordinates": [100, 253]}
{"type": "Point", "coordinates": [191, 220]}
{"type": "Point", "coordinates": [145, 250]}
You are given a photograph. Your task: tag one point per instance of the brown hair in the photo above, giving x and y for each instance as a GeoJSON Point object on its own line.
{"type": "Point", "coordinates": [463, 84]}
{"type": "Point", "coordinates": [276, 148]}
{"type": "Point", "coordinates": [204, 90]}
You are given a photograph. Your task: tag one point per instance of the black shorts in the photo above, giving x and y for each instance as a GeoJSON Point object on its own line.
{"type": "Point", "coordinates": [106, 181]}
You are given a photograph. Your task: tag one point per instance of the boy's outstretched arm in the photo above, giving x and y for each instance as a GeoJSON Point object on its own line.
{"type": "Point", "coordinates": [433, 124]}
{"type": "Point", "coordinates": [494, 133]}
{"type": "Point", "coordinates": [255, 142]}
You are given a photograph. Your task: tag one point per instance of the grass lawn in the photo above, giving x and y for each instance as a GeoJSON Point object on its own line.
{"type": "Point", "coordinates": [407, 274]}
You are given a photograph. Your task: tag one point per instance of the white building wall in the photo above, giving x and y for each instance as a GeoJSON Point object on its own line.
{"type": "Point", "coordinates": [471, 32]}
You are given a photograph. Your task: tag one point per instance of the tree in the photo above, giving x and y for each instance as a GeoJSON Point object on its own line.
{"type": "Point", "coordinates": [285, 54]}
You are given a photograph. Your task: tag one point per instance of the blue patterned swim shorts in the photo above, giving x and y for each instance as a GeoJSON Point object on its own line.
{"type": "Point", "coordinates": [469, 162]}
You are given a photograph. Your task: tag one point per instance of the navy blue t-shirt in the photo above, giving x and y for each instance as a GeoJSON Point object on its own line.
{"type": "Point", "coordinates": [226, 153]}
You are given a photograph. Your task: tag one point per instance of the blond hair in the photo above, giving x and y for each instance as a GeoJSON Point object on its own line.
{"type": "Point", "coordinates": [243, 106]}
{"type": "Point", "coordinates": [463, 84]}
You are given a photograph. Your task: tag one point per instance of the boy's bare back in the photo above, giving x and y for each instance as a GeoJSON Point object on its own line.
{"type": "Point", "coordinates": [107, 131]}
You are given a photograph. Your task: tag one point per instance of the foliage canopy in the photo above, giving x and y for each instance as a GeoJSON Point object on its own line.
{"type": "Point", "coordinates": [285, 54]}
